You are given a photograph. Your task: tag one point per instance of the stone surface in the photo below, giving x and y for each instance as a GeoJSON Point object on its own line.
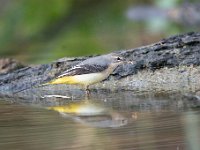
{"type": "Point", "coordinates": [171, 64]}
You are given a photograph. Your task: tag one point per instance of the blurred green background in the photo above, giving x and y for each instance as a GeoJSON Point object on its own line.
{"type": "Point", "coordinates": [35, 31]}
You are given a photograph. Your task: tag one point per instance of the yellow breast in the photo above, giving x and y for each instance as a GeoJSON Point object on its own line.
{"type": "Point", "coordinates": [84, 79]}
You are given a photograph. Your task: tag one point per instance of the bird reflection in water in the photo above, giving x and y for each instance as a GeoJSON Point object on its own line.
{"type": "Point", "coordinates": [91, 113]}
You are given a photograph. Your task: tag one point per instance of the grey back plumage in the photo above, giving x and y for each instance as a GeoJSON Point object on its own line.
{"type": "Point", "coordinates": [91, 65]}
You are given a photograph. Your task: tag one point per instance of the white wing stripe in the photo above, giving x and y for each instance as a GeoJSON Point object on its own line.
{"type": "Point", "coordinates": [66, 72]}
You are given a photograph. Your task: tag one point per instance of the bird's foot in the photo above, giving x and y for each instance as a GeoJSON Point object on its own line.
{"type": "Point", "coordinates": [87, 93]}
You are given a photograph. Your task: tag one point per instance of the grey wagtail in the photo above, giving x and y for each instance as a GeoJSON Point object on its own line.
{"type": "Point", "coordinates": [90, 71]}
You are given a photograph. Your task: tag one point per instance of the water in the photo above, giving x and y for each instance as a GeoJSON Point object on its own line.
{"type": "Point", "coordinates": [135, 122]}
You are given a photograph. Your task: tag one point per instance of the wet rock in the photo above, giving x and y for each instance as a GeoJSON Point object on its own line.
{"type": "Point", "coordinates": [171, 64]}
{"type": "Point", "coordinates": [7, 65]}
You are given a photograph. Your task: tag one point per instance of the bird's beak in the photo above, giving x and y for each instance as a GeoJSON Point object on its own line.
{"type": "Point", "coordinates": [128, 62]}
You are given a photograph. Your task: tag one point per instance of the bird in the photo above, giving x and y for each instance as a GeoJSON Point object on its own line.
{"type": "Point", "coordinates": [89, 71]}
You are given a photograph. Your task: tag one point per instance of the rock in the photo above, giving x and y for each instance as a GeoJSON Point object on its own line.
{"type": "Point", "coordinates": [171, 64]}
{"type": "Point", "coordinates": [7, 65]}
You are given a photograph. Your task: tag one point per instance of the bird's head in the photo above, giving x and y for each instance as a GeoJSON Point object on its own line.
{"type": "Point", "coordinates": [117, 59]}
{"type": "Point", "coordinates": [112, 59]}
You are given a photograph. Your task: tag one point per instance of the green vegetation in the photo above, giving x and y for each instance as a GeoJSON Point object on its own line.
{"type": "Point", "coordinates": [38, 31]}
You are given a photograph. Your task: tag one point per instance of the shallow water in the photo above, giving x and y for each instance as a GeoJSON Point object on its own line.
{"type": "Point", "coordinates": [139, 122]}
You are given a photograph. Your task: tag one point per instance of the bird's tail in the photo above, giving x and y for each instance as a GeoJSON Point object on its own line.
{"type": "Point", "coordinates": [62, 80]}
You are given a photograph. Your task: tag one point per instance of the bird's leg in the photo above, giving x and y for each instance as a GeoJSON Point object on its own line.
{"type": "Point", "coordinates": [87, 91]}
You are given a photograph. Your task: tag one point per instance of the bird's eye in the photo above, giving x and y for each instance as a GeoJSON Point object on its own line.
{"type": "Point", "coordinates": [118, 58]}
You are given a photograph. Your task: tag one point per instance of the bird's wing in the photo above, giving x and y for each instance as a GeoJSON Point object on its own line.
{"type": "Point", "coordinates": [83, 69]}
